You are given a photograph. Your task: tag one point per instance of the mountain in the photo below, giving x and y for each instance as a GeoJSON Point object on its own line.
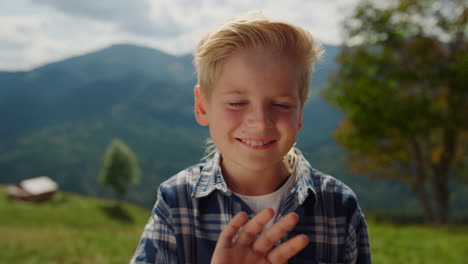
{"type": "Point", "coordinates": [58, 119]}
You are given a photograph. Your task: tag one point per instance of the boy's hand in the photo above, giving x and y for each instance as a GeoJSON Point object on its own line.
{"type": "Point", "coordinates": [246, 249]}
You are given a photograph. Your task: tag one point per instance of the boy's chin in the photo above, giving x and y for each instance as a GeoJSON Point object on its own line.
{"type": "Point", "coordinates": [257, 163]}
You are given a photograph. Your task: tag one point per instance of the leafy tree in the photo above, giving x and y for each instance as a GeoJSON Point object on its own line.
{"type": "Point", "coordinates": [120, 168]}
{"type": "Point", "coordinates": [401, 84]}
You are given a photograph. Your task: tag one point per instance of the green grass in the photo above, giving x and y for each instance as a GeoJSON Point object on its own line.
{"type": "Point", "coordinates": [76, 229]}
{"type": "Point", "coordinates": [418, 243]}
{"type": "Point", "coordinates": [69, 229]}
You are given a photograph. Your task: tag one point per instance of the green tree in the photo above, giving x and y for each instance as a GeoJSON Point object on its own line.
{"type": "Point", "coordinates": [120, 168]}
{"type": "Point", "coordinates": [401, 84]}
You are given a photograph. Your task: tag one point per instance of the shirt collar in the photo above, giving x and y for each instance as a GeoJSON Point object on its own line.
{"type": "Point", "coordinates": [211, 178]}
{"type": "Point", "coordinates": [304, 181]}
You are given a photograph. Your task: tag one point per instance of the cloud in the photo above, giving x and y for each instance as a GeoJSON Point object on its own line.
{"type": "Point", "coordinates": [132, 16]}
{"type": "Point", "coordinates": [174, 18]}
{"type": "Point", "coordinates": [27, 41]}
{"type": "Point", "coordinates": [195, 18]}
{"type": "Point", "coordinates": [320, 17]}
{"type": "Point", "coordinates": [34, 32]}
{"type": "Point", "coordinates": [15, 36]}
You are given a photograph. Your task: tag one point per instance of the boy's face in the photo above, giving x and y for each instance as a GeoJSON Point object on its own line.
{"type": "Point", "coordinates": [254, 111]}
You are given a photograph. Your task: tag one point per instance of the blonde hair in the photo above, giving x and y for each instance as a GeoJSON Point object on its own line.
{"type": "Point", "coordinates": [255, 30]}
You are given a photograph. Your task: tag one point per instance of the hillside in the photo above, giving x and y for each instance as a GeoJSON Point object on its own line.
{"type": "Point", "coordinates": [83, 230]}
{"type": "Point", "coordinates": [69, 229]}
{"type": "Point", "coordinates": [58, 119]}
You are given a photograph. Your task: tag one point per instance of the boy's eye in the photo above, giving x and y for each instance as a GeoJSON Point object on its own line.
{"type": "Point", "coordinates": [236, 104]}
{"type": "Point", "coordinates": [283, 106]}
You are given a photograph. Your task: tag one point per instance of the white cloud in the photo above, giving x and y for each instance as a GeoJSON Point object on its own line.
{"type": "Point", "coordinates": [28, 41]}
{"type": "Point", "coordinates": [33, 32]}
{"type": "Point", "coordinates": [16, 35]}
{"type": "Point", "coordinates": [321, 18]}
{"type": "Point", "coordinates": [131, 16]}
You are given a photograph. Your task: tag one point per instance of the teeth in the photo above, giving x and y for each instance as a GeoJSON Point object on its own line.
{"type": "Point", "coordinates": [255, 143]}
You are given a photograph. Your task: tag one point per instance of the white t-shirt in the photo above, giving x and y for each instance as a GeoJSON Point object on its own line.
{"type": "Point", "coordinates": [271, 200]}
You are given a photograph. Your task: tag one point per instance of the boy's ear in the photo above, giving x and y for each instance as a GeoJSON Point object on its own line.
{"type": "Point", "coordinates": [200, 107]}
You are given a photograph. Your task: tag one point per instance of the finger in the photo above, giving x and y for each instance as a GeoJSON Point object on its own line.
{"type": "Point", "coordinates": [270, 236]}
{"type": "Point", "coordinates": [225, 238]}
{"type": "Point", "coordinates": [288, 249]}
{"type": "Point", "coordinates": [253, 227]}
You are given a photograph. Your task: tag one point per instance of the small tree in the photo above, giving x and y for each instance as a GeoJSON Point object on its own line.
{"type": "Point", "coordinates": [120, 168]}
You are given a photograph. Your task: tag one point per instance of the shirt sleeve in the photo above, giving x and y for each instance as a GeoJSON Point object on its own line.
{"type": "Point", "coordinates": [357, 241]}
{"type": "Point", "coordinates": [158, 242]}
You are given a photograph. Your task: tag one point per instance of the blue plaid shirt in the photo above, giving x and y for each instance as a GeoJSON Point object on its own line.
{"type": "Point", "coordinates": [195, 205]}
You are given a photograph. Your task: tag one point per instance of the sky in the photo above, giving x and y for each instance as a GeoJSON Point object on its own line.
{"type": "Point", "coordinates": [36, 32]}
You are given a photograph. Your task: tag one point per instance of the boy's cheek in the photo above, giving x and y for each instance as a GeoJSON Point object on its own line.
{"type": "Point", "coordinates": [226, 114]}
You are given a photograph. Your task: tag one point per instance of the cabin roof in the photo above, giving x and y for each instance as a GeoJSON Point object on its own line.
{"type": "Point", "coordinates": [39, 185]}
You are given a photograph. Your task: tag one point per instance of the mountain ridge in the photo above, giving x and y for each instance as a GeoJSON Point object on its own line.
{"type": "Point", "coordinates": [61, 116]}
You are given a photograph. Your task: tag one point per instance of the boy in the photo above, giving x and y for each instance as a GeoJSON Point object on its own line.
{"type": "Point", "coordinates": [253, 79]}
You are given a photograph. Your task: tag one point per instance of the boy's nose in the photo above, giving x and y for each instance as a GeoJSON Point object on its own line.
{"type": "Point", "coordinates": [260, 117]}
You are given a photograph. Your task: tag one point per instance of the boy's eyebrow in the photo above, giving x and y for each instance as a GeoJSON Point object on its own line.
{"type": "Point", "coordinates": [233, 92]}
{"type": "Point", "coordinates": [236, 91]}
{"type": "Point", "coordinates": [240, 92]}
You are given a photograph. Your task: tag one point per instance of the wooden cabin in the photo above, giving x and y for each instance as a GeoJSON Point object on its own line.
{"type": "Point", "coordinates": [34, 189]}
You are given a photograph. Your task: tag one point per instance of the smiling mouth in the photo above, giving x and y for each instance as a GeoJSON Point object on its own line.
{"type": "Point", "coordinates": [255, 143]}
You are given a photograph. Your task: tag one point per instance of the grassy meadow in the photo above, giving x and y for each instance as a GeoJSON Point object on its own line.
{"type": "Point", "coordinates": [392, 243]}
{"type": "Point", "coordinates": [69, 229]}
{"type": "Point", "coordinates": [75, 229]}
